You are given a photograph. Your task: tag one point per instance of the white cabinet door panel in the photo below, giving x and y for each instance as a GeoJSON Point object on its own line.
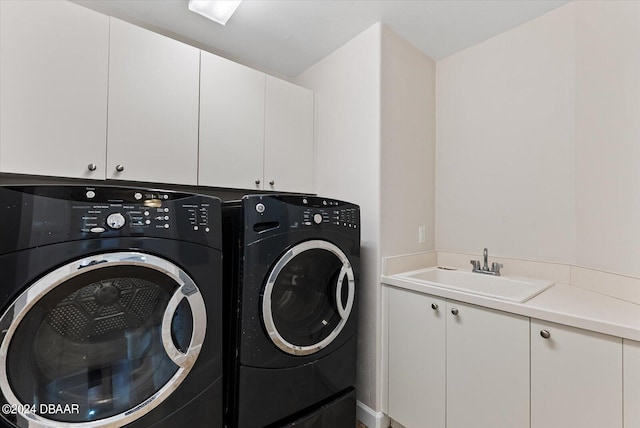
{"type": "Point", "coordinates": [153, 107]}
{"type": "Point", "coordinates": [231, 124]}
{"type": "Point", "coordinates": [53, 81]}
{"type": "Point", "coordinates": [289, 150]}
{"type": "Point", "coordinates": [576, 378]}
{"type": "Point", "coordinates": [631, 367]}
{"type": "Point", "coordinates": [487, 368]}
{"type": "Point", "coordinates": [416, 359]}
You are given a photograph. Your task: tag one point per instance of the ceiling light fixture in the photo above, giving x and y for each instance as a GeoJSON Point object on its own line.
{"type": "Point", "coordinates": [216, 10]}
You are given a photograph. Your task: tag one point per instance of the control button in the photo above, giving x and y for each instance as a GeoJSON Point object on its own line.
{"type": "Point", "coordinates": [166, 226]}
{"type": "Point", "coordinates": [147, 222]}
{"type": "Point", "coordinates": [97, 229]}
{"type": "Point", "coordinates": [115, 220]}
{"type": "Point", "coordinates": [195, 227]}
{"type": "Point", "coordinates": [146, 213]}
{"type": "Point", "coordinates": [324, 202]}
{"type": "Point", "coordinates": [304, 201]}
{"type": "Point", "coordinates": [137, 196]}
{"type": "Point", "coordinates": [207, 229]}
{"type": "Point", "coordinates": [260, 208]}
{"type": "Point", "coordinates": [317, 218]}
{"type": "Point", "coordinates": [307, 223]}
{"type": "Point", "coordinates": [166, 210]}
{"type": "Point", "coordinates": [91, 194]}
{"type": "Point", "coordinates": [166, 217]}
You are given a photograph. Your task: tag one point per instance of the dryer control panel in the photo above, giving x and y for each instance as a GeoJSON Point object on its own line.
{"type": "Point", "coordinates": [47, 214]}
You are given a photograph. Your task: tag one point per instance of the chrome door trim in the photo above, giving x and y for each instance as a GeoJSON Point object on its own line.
{"type": "Point", "coordinates": [187, 289]}
{"type": "Point", "coordinates": [344, 312]}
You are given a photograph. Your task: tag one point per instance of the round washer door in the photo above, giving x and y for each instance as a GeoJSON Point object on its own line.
{"type": "Point", "coordinates": [99, 342]}
{"type": "Point", "coordinates": [308, 297]}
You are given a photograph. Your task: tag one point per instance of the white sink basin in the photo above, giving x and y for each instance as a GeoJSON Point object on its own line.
{"type": "Point", "coordinates": [512, 288]}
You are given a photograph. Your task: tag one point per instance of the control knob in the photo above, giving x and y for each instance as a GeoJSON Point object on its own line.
{"type": "Point", "coordinates": [317, 218]}
{"type": "Point", "coordinates": [115, 220]}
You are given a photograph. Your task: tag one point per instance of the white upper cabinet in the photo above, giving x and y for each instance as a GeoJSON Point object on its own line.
{"type": "Point", "coordinates": [231, 124]}
{"type": "Point", "coordinates": [53, 89]}
{"type": "Point", "coordinates": [576, 378]}
{"type": "Point", "coordinates": [289, 150]}
{"type": "Point", "coordinates": [153, 107]}
{"type": "Point", "coordinates": [83, 95]}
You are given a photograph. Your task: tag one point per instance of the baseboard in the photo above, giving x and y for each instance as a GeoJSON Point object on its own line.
{"type": "Point", "coordinates": [371, 418]}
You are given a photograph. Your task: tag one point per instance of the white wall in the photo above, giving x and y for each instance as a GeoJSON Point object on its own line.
{"type": "Point", "coordinates": [347, 129]}
{"type": "Point", "coordinates": [408, 147]}
{"type": "Point", "coordinates": [375, 139]}
{"type": "Point", "coordinates": [538, 146]}
{"type": "Point", "coordinates": [505, 143]}
{"type": "Point", "coordinates": [608, 136]}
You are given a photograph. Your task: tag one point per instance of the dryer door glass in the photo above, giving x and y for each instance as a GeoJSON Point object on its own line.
{"type": "Point", "coordinates": [308, 297]}
{"type": "Point", "coordinates": [97, 342]}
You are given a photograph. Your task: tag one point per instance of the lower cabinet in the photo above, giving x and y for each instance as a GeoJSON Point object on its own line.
{"type": "Point", "coordinates": [576, 378]}
{"type": "Point", "coordinates": [631, 381]}
{"type": "Point", "coordinates": [487, 368]}
{"type": "Point", "coordinates": [457, 365]}
{"type": "Point", "coordinates": [455, 362]}
{"type": "Point", "coordinates": [417, 359]}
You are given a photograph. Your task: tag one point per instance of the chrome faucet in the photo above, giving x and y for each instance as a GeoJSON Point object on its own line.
{"type": "Point", "coordinates": [495, 267]}
{"type": "Point", "coordinates": [485, 255]}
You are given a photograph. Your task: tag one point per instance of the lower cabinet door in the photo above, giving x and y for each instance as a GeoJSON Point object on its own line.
{"type": "Point", "coordinates": [576, 378]}
{"type": "Point", "coordinates": [416, 359]}
{"type": "Point", "coordinates": [631, 381]}
{"type": "Point", "coordinates": [487, 368]}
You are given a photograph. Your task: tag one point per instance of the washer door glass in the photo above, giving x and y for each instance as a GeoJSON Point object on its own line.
{"type": "Point", "coordinates": [308, 297]}
{"type": "Point", "coordinates": [111, 335]}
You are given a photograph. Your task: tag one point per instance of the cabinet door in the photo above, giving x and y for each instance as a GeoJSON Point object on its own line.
{"type": "Point", "coordinates": [631, 381]}
{"type": "Point", "coordinates": [153, 107]}
{"type": "Point", "coordinates": [416, 359]}
{"type": "Point", "coordinates": [576, 378]}
{"type": "Point", "coordinates": [231, 124]}
{"type": "Point", "coordinates": [288, 164]}
{"type": "Point", "coordinates": [53, 81]}
{"type": "Point", "coordinates": [487, 368]}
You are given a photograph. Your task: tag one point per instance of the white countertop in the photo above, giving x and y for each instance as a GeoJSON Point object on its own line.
{"type": "Point", "coordinates": [561, 303]}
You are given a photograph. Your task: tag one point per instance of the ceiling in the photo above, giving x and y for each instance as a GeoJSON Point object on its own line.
{"type": "Point", "coordinates": [285, 37]}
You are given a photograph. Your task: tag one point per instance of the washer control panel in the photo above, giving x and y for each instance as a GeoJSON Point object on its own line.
{"type": "Point", "coordinates": [320, 211]}
{"type": "Point", "coordinates": [301, 212]}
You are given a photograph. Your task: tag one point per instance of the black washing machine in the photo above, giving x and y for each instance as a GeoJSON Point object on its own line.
{"type": "Point", "coordinates": [291, 275]}
{"type": "Point", "coordinates": [111, 311]}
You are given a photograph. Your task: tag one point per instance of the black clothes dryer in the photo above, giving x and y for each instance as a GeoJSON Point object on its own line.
{"type": "Point", "coordinates": [111, 308]}
{"type": "Point", "coordinates": [291, 275]}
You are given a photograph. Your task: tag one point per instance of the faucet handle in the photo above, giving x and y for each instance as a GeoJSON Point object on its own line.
{"type": "Point", "coordinates": [495, 267]}
{"type": "Point", "coordinates": [476, 264]}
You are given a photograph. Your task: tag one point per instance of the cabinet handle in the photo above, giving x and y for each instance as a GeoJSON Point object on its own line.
{"type": "Point", "coordinates": [545, 334]}
{"type": "Point", "coordinates": [92, 167]}
{"type": "Point", "coordinates": [119, 168]}
{"type": "Point", "coordinates": [272, 182]}
{"type": "Point", "coordinates": [454, 311]}
{"type": "Point", "coordinates": [257, 182]}
{"type": "Point", "coordinates": [434, 306]}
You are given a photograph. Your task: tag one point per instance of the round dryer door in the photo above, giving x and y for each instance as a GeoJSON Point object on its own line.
{"type": "Point", "coordinates": [99, 342]}
{"type": "Point", "coordinates": [308, 297]}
